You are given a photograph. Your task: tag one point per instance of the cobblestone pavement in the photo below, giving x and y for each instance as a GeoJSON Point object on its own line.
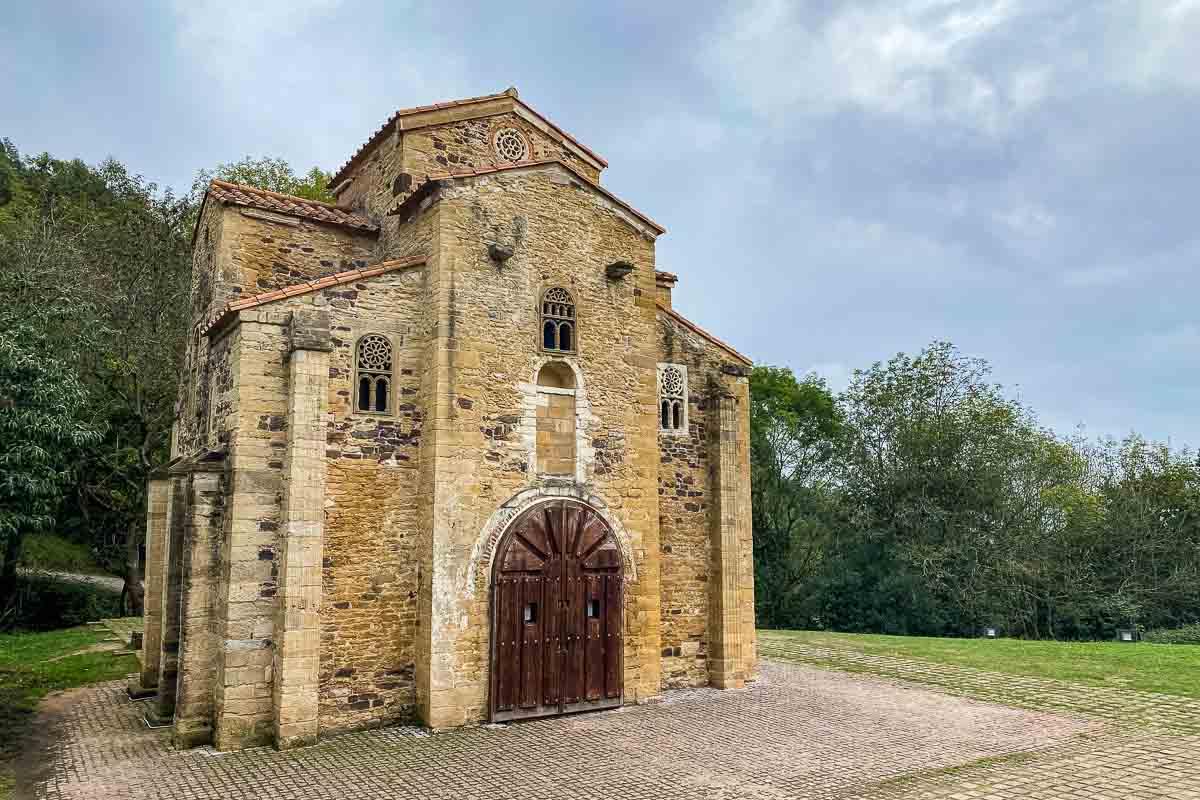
{"type": "Point", "coordinates": [1145, 745]}
{"type": "Point", "coordinates": [798, 733]}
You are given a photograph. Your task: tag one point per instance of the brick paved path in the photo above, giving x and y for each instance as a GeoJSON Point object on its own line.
{"type": "Point", "coordinates": [800, 732]}
{"type": "Point", "coordinates": [1148, 745]}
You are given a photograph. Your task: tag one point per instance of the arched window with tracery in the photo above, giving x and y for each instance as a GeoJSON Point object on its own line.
{"type": "Point", "coordinates": [672, 398]}
{"type": "Point", "coordinates": [558, 321]}
{"type": "Point", "coordinates": [373, 359]}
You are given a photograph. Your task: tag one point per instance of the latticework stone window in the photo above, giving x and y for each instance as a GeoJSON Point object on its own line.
{"type": "Point", "coordinates": [558, 321]}
{"type": "Point", "coordinates": [373, 360]}
{"type": "Point", "coordinates": [510, 145]}
{"type": "Point", "coordinates": [672, 398]}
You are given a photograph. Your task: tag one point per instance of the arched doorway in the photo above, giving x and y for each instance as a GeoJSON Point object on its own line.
{"type": "Point", "coordinates": [556, 614]}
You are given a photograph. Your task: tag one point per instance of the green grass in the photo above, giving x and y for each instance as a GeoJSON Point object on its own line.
{"type": "Point", "coordinates": [1166, 668]}
{"type": "Point", "coordinates": [27, 674]}
{"type": "Point", "coordinates": [46, 551]}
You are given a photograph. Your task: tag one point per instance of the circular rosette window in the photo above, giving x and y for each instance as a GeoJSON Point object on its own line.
{"type": "Point", "coordinates": [510, 145]}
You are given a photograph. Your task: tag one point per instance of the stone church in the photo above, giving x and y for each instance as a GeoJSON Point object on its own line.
{"type": "Point", "coordinates": [444, 451]}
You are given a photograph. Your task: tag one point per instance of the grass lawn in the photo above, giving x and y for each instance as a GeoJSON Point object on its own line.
{"type": "Point", "coordinates": [1166, 668]}
{"type": "Point", "coordinates": [27, 674]}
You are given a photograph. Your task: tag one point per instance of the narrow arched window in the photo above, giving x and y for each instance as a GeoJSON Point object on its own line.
{"type": "Point", "coordinates": [672, 398]}
{"type": "Point", "coordinates": [558, 321]}
{"type": "Point", "coordinates": [373, 360]}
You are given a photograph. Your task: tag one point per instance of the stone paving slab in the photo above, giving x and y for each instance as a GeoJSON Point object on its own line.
{"type": "Point", "coordinates": [800, 732]}
{"type": "Point", "coordinates": [1146, 746]}
{"type": "Point", "coordinates": [1154, 710]}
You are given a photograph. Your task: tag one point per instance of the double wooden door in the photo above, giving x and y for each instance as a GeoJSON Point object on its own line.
{"type": "Point", "coordinates": [556, 614]}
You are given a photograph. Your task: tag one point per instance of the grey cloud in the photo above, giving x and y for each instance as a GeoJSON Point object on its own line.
{"type": "Point", "coordinates": [839, 180]}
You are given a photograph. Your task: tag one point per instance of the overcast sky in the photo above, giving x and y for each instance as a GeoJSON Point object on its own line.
{"type": "Point", "coordinates": [839, 180]}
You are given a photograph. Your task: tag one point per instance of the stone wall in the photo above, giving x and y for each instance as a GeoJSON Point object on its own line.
{"type": "Point", "coordinates": [485, 357]}
{"type": "Point", "coordinates": [244, 251]}
{"type": "Point", "coordinates": [270, 251]}
{"type": "Point", "coordinates": [555, 433]}
{"type": "Point", "coordinates": [368, 572]}
{"type": "Point", "coordinates": [414, 499]}
{"type": "Point", "coordinates": [685, 507]}
{"type": "Point", "coordinates": [369, 597]}
{"type": "Point", "coordinates": [254, 430]}
{"type": "Point", "coordinates": [403, 159]}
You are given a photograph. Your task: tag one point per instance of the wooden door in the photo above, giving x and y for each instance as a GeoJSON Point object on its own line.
{"type": "Point", "coordinates": [556, 614]}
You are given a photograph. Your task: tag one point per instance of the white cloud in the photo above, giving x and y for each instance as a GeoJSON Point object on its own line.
{"type": "Point", "coordinates": [312, 87]}
{"type": "Point", "coordinates": [914, 59]}
{"type": "Point", "coordinates": [232, 37]}
{"type": "Point", "coordinates": [1157, 44]}
{"type": "Point", "coordinates": [981, 65]}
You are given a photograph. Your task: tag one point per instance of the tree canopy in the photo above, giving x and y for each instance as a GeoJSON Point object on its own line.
{"type": "Point", "coordinates": [925, 500]}
{"type": "Point", "coordinates": [95, 267]}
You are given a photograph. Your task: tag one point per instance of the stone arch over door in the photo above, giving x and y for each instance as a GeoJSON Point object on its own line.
{"type": "Point", "coordinates": [557, 614]}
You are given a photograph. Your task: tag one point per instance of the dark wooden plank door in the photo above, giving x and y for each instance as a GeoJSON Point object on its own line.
{"type": "Point", "coordinates": [557, 642]}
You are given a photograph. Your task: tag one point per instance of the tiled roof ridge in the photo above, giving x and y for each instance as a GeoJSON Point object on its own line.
{"type": "Point", "coordinates": [700, 331]}
{"type": "Point", "coordinates": [304, 287]}
{"type": "Point", "coordinates": [511, 165]}
{"type": "Point", "coordinates": [340, 175]}
{"type": "Point", "coordinates": [267, 200]}
{"type": "Point", "coordinates": [280, 195]}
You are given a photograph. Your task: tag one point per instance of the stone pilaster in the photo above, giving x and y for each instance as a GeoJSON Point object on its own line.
{"type": "Point", "coordinates": [198, 640]}
{"type": "Point", "coordinates": [172, 584]}
{"type": "Point", "coordinates": [244, 702]}
{"type": "Point", "coordinates": [726, 652]}
{"type": "Point", "coordinates": [297, 630]}
{"type": "Point", "coordinates": [158, 493]}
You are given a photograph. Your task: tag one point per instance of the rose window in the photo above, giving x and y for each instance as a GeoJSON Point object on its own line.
{"type": "Point", "coordinates": [511, 145]}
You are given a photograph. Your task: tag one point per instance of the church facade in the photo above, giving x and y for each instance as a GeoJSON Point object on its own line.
{"type": "Point", "coordinates": [444, 451]}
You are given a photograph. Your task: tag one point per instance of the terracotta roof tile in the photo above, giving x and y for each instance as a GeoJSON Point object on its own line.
{"type": "Point", "coordinates": [340, 175]}
{"type": "Point", "coordinates": [469, 173]}
{"type": "Point", "coordinates": [687, 323]}
{"type": "Point", "coordinates": [239, 195]}
{"type": "Point", "coordinates": [348, 276]}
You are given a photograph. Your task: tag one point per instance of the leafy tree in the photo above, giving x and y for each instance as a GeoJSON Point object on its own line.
{"type": "Point", "coordinates": [794, 427]}
{"type": "Point", "coordinates": [45, 423]}
{"type": "Point", "coordinates": [273, 174]}
{"type": "Point", "coordinates": [114, 248]}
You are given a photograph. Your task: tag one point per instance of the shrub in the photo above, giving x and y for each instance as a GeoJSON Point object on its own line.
{"type": "Point", "coordinates": [45, 603]}
{"type": "Point", "coordinates": [47, 551]}
{"type": "Point", "coordinates": [1188, 634]}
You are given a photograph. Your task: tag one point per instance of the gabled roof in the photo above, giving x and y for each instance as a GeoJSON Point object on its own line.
{"type": "Point", "coordinates": [404, 113]}
{"type": "Point", "coordinates": [694, 328]}
{"type": "Point", "coordinates": [304, 287]}
{"type": "Point", "coordinates": [430, 182]}
{"type": "Point", "coordinates": [238, 195]}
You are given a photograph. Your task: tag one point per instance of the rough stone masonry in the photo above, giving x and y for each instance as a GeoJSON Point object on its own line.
{"type": "Point", "coordinates": [471, 353]}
